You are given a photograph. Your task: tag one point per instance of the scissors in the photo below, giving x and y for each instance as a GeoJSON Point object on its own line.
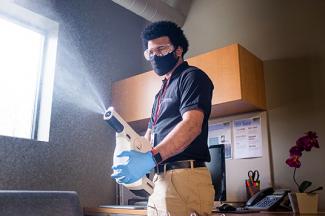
{"type": "Point", "coordinates": [254, 176]}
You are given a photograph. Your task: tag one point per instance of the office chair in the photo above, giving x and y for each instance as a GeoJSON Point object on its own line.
{"type": "Point", "coordinates": [39, 203]}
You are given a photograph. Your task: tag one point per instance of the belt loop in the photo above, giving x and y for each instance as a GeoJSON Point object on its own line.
{"type": "Point", "coordinates": [192, 165]}
{"type": "Point", "coordinates": [165, 167]}
{"type": "Point", "coordinates": [157, 169]}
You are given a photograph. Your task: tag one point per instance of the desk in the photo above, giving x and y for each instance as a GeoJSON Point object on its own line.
{"type": "Point", "coordinates": [110, 211]}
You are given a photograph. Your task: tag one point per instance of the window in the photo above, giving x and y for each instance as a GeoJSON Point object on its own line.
{"type": "Point", "coordinates": [28, 44]}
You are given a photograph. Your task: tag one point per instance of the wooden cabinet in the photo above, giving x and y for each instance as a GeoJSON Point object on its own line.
{"type": "Point", "coordinates": [236, 73]}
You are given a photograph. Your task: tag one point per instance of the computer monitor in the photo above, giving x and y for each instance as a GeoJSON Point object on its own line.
{"type": "Point", "coordinates": [217, 168]}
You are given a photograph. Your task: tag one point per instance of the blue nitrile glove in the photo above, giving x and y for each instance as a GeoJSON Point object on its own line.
{"type": "Point", "coordinates": [135, 168]}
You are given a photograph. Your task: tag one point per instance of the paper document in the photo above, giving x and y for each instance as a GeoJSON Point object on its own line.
{"type": "Point", "coordinates": [247, 138]}
{"type": "Point", "coordinates": [220, 133]}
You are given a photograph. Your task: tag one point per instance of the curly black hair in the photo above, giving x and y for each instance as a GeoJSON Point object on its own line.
{"type": "Point", "coordinates": [165, 28]}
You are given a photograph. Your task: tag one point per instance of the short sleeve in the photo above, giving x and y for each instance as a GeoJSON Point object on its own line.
{"type": "Point", "coordinates": [196, 92]}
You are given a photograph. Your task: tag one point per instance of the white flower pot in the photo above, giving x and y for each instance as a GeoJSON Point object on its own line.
{"type": "Point", "coordinates": [304, 203]}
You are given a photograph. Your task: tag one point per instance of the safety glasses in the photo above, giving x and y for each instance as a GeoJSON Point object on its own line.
{"type": "Point", "coordinates": [161, 50]}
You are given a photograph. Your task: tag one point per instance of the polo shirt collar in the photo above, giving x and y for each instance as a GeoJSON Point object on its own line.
{"type": "Point", "coordinates": [184, 65]}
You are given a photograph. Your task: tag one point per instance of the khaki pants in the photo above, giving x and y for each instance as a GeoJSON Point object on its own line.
{"type": "Point", "coordinates": [182, 192]}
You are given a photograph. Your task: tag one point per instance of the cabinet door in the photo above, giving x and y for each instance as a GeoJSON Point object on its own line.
{"type": "Point", "coordinates": [237, 76]}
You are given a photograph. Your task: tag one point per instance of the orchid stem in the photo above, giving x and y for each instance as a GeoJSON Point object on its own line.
{"type": "Point", "coordinates": [294, 177]}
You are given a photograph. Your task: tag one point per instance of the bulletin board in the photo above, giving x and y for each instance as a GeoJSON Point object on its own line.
{"type": "Point", "coordinates": [237, 167]}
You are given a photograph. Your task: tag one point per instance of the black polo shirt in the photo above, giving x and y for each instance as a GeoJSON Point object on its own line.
{"type": "Point", "coordinates": [188, 88]}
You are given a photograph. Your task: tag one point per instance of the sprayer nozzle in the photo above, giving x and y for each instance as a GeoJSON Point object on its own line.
{"type": "Point", "coordinates": [108, 114]}
{"type": "Point", "coordinates": [112, 118]}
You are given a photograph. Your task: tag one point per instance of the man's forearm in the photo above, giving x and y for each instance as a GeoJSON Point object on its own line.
{"type": "Point", "coordinates": [180, 137]}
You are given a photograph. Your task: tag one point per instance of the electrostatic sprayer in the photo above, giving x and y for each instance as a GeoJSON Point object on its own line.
{"type": "Point", "coordinates": [127, 139]}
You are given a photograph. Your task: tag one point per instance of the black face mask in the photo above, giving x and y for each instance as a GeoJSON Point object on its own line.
{"type": "Point", "coordinates": [163, 64]}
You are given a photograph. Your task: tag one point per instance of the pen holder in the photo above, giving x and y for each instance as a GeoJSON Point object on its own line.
{"type": "Point", "coordinates": [252, 187]}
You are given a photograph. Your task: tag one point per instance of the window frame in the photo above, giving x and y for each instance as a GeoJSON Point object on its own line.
{"type": "Point", "coordinates": [44, 89]}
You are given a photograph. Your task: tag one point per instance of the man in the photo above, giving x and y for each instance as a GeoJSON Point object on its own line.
{"type": "Point", "coordinates": [178, 129]}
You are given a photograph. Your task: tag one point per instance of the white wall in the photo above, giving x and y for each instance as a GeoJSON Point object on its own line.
{"type": "Point", "coordinates": [289, 36]}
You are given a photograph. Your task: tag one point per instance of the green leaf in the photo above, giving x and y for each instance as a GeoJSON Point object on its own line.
{"type": "Point", "coordinates": [304, 185]}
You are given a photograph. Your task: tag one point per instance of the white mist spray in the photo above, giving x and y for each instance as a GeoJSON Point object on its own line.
{"type": "Point", "coordinates": [75, 82]}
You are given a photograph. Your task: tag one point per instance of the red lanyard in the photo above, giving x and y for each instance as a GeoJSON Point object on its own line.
{"type": "Point", "coordinates": [160, 97]}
